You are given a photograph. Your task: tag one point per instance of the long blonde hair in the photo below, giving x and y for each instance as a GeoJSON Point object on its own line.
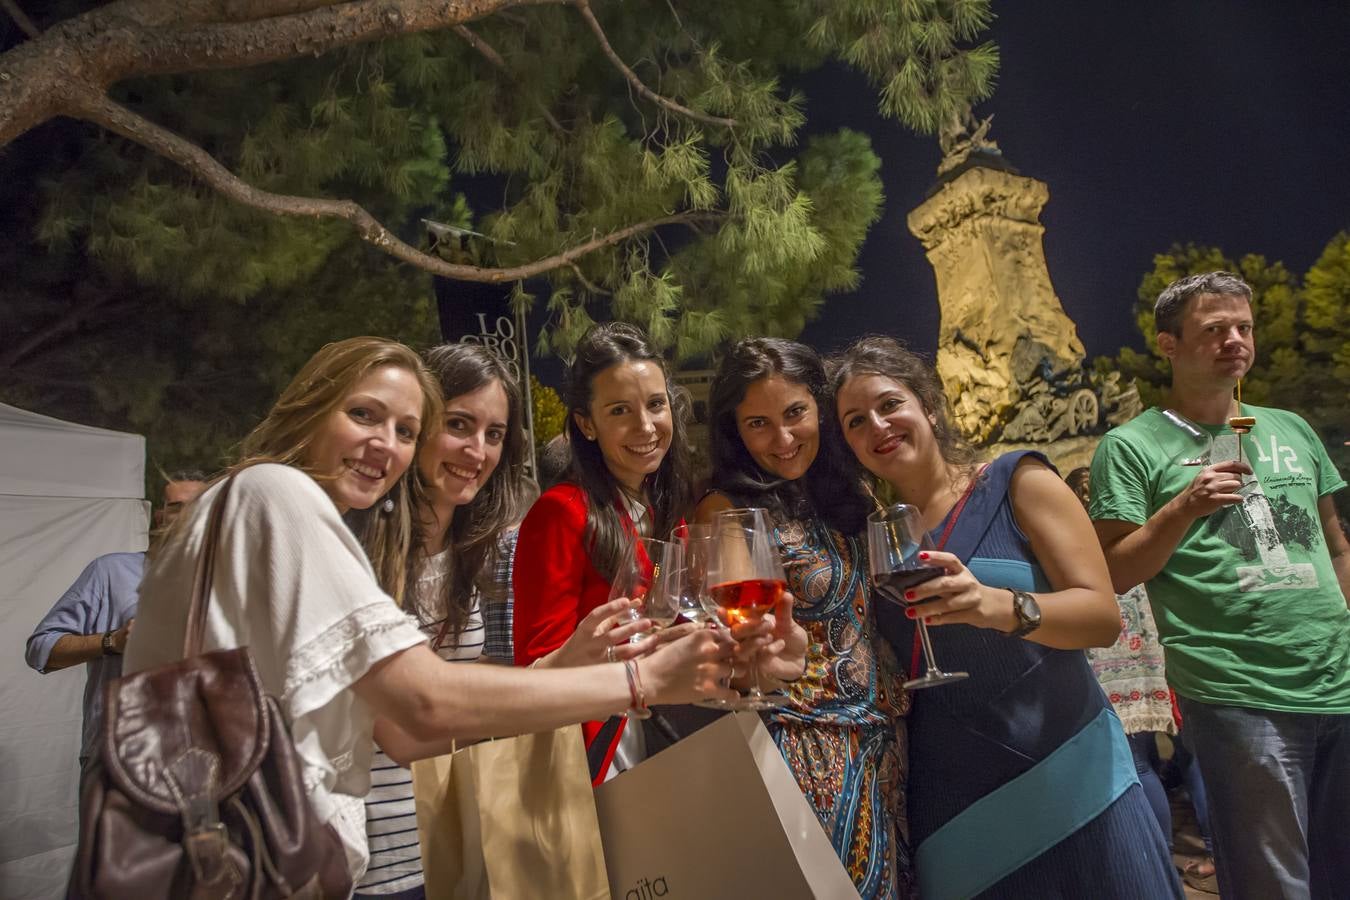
{"type": "Point", "coordinates": [285, 435]}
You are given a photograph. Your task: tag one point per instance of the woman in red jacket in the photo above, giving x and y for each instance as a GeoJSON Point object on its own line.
{"type": "Point", "coordinates": [629, 476]}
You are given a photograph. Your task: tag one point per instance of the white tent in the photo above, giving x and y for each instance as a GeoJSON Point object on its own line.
{"type": "Point", "coordinates": [68, 493]}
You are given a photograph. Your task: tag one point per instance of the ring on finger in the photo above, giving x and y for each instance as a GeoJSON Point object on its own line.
{"type": "Point", "coordinates": [609, 653]}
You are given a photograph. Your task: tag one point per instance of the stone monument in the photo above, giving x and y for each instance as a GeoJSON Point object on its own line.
{"type": "Point", "coordinates": [1008, 355]}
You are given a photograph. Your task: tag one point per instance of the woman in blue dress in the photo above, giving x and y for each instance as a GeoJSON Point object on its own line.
{"type": "Point", "coordinates": [842, 733]}
{"type": "Point", "coordinates": [1022, 783]}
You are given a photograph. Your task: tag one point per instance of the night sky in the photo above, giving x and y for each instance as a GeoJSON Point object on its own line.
{"type": "Point", "coordinates": [1152, 122]}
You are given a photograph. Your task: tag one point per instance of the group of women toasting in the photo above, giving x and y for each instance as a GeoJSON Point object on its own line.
{"type": "Point", "coordinates": [1014, 782]}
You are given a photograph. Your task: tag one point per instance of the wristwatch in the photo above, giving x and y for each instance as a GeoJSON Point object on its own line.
{"type": "Point", "coordinates": [1028, 613]}
{"type": "Point", "coordinates": [108, 649]}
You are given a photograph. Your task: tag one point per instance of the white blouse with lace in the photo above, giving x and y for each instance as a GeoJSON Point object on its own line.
{"type": "Point", "coordinates": [293, 585]}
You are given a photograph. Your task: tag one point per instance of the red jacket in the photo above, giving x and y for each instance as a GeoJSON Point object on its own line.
{"type": "Point", "coordinates": [556, 585]}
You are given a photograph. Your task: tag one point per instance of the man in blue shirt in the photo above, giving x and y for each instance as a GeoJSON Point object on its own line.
{"type": "Point", "coordinates": [92, 620]}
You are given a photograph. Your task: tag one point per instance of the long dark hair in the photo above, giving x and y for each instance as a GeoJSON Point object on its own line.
{"type": "Point", "coordinates": [887, 357]}
{"type": "Point", "coordinates": [822, 491]}
{"type": "Point", "coordinates": [602, 346]}
{"type": "Point", "coordinates": [499, 504]}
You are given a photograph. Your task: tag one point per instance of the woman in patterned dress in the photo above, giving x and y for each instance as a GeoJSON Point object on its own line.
{"type": "Point", "coordinates": [843, 733]}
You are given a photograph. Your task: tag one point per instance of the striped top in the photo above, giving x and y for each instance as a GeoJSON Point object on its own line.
{"type": "Point", "coordinates": [391, 815]}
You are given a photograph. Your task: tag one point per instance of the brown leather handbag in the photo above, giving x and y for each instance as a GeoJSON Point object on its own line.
{"type": "Point", "coordinates": [196, 789]}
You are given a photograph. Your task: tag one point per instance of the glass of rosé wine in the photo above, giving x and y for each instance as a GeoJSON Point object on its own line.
{"type": "Point", "coordinates": [745, 580]}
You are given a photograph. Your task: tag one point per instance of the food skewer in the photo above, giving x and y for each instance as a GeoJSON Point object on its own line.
{"type": "Point", "coordinates": [1240, 424]}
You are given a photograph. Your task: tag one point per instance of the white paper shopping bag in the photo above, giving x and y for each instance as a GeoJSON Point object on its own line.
{"type": "Point", "coordinates": [717, 816]}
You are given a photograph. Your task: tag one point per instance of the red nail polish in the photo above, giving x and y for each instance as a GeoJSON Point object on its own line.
{"type": "Point", "coordinates": [909, 595]}
{"type": "Point", "coordinates": [928, 620]}
{"type": "Point", "coordinates": [923, 556]}
{"type": "Point", "coordinates": [911, 613]}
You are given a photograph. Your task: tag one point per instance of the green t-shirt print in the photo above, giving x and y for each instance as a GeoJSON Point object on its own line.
{"type": "Point", "coordinates": [1248, 607]}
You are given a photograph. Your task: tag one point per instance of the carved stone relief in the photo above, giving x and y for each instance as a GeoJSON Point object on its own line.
{"type": "Point", "coordinates": [1002, 324]}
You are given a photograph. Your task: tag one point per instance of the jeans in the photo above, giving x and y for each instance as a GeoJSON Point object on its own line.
{"type": "Point", "coordinates": [1184, 757]}
{"type": "Point", "coordinates": [1141, 748]}
{"type": "Point", "coordinates": [1278, 786]}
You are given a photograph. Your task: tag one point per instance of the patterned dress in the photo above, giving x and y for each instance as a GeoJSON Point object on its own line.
{"type": "Point", "coordinates": [843, 735]}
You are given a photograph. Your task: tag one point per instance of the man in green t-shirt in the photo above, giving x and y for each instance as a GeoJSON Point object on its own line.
{"type": "Point", "coordinates": [1248, 573]}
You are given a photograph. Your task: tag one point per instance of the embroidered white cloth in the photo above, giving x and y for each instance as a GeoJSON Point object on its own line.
{"type": "Point", "coordinates": [293, 585]}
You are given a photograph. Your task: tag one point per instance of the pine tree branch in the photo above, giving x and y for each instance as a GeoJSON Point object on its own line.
{"type": "Point", "coordinates": [133, 38]}
{"type": "Point", "coordinates": [584, 7]}
{"type": "Point", "coordinates": [491, 55]}
{"type": "Point", "coordinates": [103, 111]}
{"type": "Point", "coordinates": [588, 284]}
{"type": "Point", "coordinates": [25, 24]}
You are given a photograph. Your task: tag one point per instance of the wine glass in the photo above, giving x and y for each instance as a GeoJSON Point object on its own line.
{"type": "Point", "coordinates": [650, 574]}
{"type": "Point", "coordinates": [746, 580]}
{"type": "Point", "coordinates": [695, 602]}
{"type": "Point", "coordinates": [895, 535]}
{"type": "Point", "coordinates": [1196, 446]}
{"type": "Point", "coordinates": [695, 599]}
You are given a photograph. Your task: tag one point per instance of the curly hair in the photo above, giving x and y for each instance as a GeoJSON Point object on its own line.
{"type": "Point", "coordinates": [889, 358]}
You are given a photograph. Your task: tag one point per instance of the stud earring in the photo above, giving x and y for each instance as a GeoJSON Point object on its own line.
{"type": "Point", "coordinates": [388, 505]}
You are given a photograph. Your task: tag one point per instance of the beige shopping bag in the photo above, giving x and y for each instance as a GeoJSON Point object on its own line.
{"type": "Point", "coordinates": [715, 817]}
{"type": "Point", "coordinates": [511, 819]}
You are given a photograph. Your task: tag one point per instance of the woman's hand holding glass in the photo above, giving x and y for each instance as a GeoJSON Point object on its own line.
{"type": "Point", "coordinates": [606, 634]}
{"type": "Point", "coordinates": [958, 597]}
{"type": "Point", "coordinates": [775, 646]}
{"type": "Point", "coordinates": [693, 666]}
{"type": "Point", "coordinates": [902, 565]}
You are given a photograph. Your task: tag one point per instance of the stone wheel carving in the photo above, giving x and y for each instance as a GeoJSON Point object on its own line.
{"type": "Point", "coordinates": [1083, 411]}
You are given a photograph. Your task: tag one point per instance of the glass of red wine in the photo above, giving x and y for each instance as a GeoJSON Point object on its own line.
{"type": "Point", "coordinates": [895, 535]}
{"type": "Point", "coordinates": [745, 580]}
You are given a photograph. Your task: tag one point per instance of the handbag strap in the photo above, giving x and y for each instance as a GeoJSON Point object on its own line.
{"type": "Point", "coordinates": [195, 633]}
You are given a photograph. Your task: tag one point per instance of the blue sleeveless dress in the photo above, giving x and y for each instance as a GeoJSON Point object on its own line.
{"type": "Point", "coordinates": [1021, 781]}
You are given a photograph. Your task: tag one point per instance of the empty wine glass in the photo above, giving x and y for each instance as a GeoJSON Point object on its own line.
{"type": "Point", "coordinates": [895, 535]}
{"type": "Point", "coordinates": [1190, 444]}
{"type": "Point", "coordinates": [695, 601]}
{"type": "Point", "coordinates": [650, 574]}
{"type": "Point", "coordinates": [746, 580]}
